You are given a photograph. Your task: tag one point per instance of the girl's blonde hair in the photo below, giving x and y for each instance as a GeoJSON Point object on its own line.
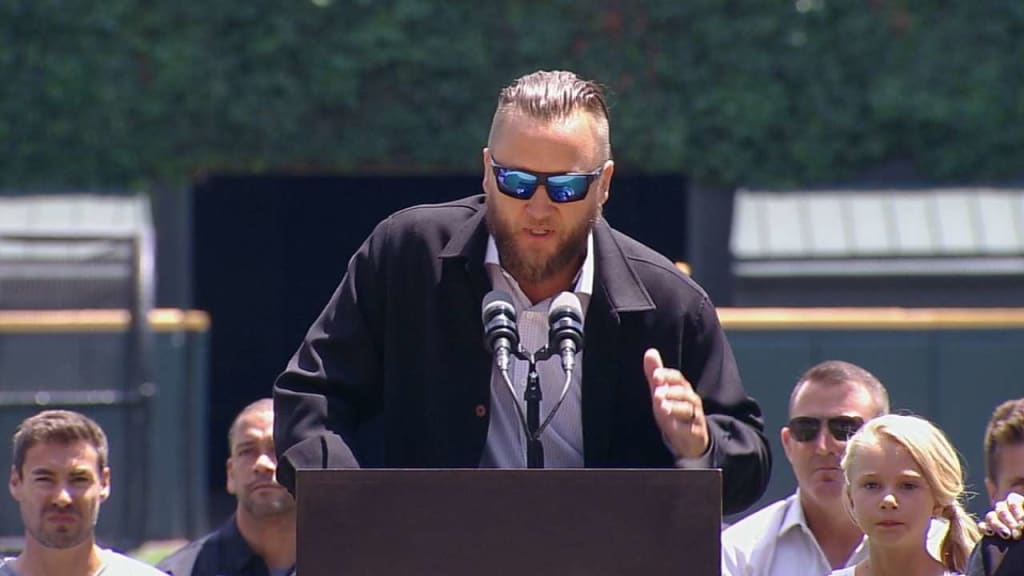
{"type": "Point", "coordinates": [940, 465]}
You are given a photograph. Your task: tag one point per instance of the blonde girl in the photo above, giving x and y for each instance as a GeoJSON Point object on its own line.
{"type": "Point", "coordinates": [901, 474]}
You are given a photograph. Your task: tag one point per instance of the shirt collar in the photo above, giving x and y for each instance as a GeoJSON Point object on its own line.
{"type": "Point", "coordinates": [794, 515]}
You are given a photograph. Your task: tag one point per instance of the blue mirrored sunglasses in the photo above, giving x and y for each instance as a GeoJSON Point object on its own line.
{"type": "Point", "coordinates": [562, 187]}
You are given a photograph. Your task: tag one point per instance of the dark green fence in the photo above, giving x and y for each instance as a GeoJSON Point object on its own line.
{"type": "Point", "coordinates": [952, 366]}
{"type": "Point", "coordinates": [72, 351]}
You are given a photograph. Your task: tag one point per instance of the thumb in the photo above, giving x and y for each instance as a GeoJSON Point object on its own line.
{"type": "Point", "coordinates": [652, 362]}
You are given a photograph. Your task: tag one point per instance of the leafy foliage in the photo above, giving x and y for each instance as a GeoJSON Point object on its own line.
{"type": "Point", "coordinates": [760, 92]}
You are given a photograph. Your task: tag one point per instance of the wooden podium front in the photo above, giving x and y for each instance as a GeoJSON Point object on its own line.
{"type": "Point", "coordinates": [584, 522]}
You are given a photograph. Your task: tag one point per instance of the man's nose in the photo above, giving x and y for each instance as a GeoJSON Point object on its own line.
{"type": "Point", "coordinates": [266, 463]}
{"type": "Point", "coordinates": [825, 443]}
{"type": "Point", "coordinates": [63, 496]}
{"type": "Point", "coordinates": [539, 205]}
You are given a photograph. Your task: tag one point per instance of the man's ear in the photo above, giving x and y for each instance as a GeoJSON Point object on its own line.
{"type": "Point", "coordinates": [230, 484]}
{"type": "Point", "coordinates": [14, 483]}
{"type": "Point", "coordinates": [786, 437]}
{"type": "Point", "coordinates": [485, 155]}
{"type": "Point", "coordinates": [605, 182]}
{"type": "Point", "coordinates": [990, 487]}
{"type": "Point", "coordinates": [105, 484]}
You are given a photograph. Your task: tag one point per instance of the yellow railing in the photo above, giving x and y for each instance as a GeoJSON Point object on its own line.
{"type": "Point", "coordinates": [174, 320]}
{"type": "Point", "coordinates": [44, 321]}
{"type": "Point", "coordinates": [870, 318]}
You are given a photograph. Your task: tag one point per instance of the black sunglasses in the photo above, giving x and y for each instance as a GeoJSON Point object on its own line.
{"type": "Point", "coordinates": [562, 187]}
{"type": "Point", "coordinates": [806, 428]}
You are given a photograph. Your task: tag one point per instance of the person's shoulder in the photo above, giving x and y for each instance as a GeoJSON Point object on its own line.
{"type": "Point", "coordinates": [181, 561]}
{"type": "Point", "coordinates": [996, 556]}
{"type": "Point", "coordinates": [757, 526]}
{"type": "Point", "coordinates": [6, 568]}
{"type": "Point", "coordinates": [427, 226]}
{"type": "Point", "coordinates": [445, 213]}
{"type": "Point", "coordinates": [744, 543]}
{"type": "Point", "coordinates": [659, 275]}
{"type": "Point", "coordinates": [117, 564]}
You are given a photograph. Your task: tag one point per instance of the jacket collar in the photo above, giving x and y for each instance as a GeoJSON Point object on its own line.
{"type": "Point", "coordinates": [469, 241]}
{"type": "Point", "coordinates": [235, 553]}
{"type": "Point", "coordinates": [615, 273]}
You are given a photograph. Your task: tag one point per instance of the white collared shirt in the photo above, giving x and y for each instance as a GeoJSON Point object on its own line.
{"type": "Point", "coordinates": [851, 571]}
{"type": "Point", "coordinates": [776, 541]}
{"type": "Point", "coordinates": [563, 439]}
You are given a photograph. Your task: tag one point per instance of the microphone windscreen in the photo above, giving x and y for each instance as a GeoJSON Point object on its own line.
{"type": "Point", "coordinates": [495, 301]}
{"type": "Point", "coordinates": [567, 301]}
{"type": "Point", "coordinates": [565, 323]}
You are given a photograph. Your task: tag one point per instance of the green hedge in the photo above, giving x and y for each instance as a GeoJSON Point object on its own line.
{"type": "Point", "coordinates": [760, 92]}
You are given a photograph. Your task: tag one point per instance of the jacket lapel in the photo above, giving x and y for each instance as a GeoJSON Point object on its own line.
{"type": "Point", "coordinates": [601, 330]}
{"type": "Point", "coordinates": [464, 283]}
{"type": "Point", "coordinates": [617, 289]}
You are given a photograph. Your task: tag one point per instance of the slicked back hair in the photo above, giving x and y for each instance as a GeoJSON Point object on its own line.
{"type": "Point", "coordinates": [62, 427]}
{"type": "Point", "coordinates": [837, 373]}
{"type": "Point", "coordinates": [1006, 427]}
{"type": "Point", "coordinates": [553, 96]}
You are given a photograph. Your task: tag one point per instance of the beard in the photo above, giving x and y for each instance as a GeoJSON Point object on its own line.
{"type": "Point", "coordinates": [529, 267]}
{"type": "Point", "coordinates": [62, 537]}
{"type": "Point", "coordinates": [266, 504]}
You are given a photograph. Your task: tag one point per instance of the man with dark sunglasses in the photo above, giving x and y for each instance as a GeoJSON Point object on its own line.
{"type": "Point", "coordinates": [810, 532]}
{"type": "Point", "coordinates": [394, 372]}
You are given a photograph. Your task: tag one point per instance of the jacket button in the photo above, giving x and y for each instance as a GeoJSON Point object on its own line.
{"type": "Point", "coordinates": [481, 410]}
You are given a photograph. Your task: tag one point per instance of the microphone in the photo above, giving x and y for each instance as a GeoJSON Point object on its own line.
{"type": "Point", "coordinates": [500, 334]}
{"type": "Point", "coordinates": [565, 318]}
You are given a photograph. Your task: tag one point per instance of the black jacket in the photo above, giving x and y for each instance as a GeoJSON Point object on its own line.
{"type": "Point", "coordinates": [222, 552]}
{"type": "Point", "coordinates": [394, 372]}
{"type": "Point", "coordinates": [994, 556]}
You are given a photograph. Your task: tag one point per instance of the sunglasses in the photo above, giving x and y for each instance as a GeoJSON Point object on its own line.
{"type": "Point", "coordinates": [806, 428]}
{"type": "Point", "coordinates": [562, 187]}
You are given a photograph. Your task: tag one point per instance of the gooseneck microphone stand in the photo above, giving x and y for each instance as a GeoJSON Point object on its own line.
{"type": "Point", "coordinates": [531, 423]}
{"type": "Point", "coordinates": [500, 334]}
{"type": "Point", "coordinates": [533, 396]}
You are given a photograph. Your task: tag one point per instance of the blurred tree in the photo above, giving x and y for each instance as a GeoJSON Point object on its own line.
{"type": "Point", "coordinates": [759, 93]}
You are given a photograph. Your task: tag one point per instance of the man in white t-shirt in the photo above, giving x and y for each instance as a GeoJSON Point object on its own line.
{"type": "Point", "coordinates": [810, 532]}
{"type": "Point", "coordinates": [59, 477]}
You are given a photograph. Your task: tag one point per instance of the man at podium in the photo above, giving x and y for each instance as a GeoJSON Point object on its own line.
{"type": "Point", "coordinates": [395, 373]}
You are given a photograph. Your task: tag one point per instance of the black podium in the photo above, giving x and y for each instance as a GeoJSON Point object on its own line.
{"type": "Point", "coordinates": [509, 522]}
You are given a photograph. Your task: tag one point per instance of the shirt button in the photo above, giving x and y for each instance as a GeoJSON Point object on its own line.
{"type": "Point", "coordinates": [481, 410]}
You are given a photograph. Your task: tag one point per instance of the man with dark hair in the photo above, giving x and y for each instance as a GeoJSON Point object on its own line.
{"type": "Point", "coordinates": [811, 532]}
{"type": "Point", "coordinates": [398, 350]}
{"type": "Point", "coordinates": [1001, 552]}
{"type": "Point", "coordinates": [1004, 451]}
{"type": "Point", "coordinates": [259, 538]}
{"type": "Point", "coordinates": [60, 477]}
